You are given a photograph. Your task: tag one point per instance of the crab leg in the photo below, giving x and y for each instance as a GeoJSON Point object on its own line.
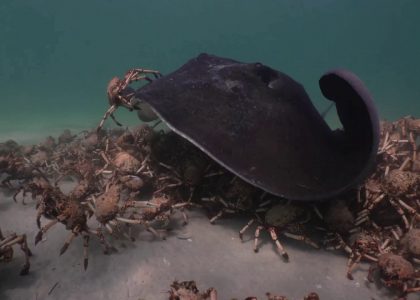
{"type": "Point", "coordinates": [85, 250]}
{"type": "Point", "coordinates": [152, 230]}
{"type": "Point", "coordinates": [109, 228]}
{"type": "Point", "coordinates": [115, 120]}
{"type": "Point", "coordinates": [301, 238]}
{"type": "Point", "coordinates": [130, 233]}
{"type": "Point", "coordinates": [414, 145]}
{"type": "Point", "coordinates": [43, 230]}
{"type": "Point", "coordinates": [400, 212]}
{"type": "Point", "coordinates": [108, 162]}
{"type": "Point", "coordinates": [317, 212]}
{"type": "Point", "coordinates": [124, 233]}
{"type": "Point", "coordinates": [156, 123]}
{"type": "Point", "coordinates": [372, 269]}
{"type": "Point", "coordinates": [128, 221]}
{"type": "Point", "coordinates": [140, 77]}
{"type": "Point", "coordinates": [352, 264]}
{"type": "Point", "coordinates": [413, 290]}
{"type": "Point", "coordinates": [341, 243]}
{"type": "Point", "coordinates": [245, 228]}
{"type": "Point", "coordinates": [39, 212]}
{"type": "Point", "coordinates": [278, 244]}
{"type": "Point", "coordinates": [155, 73]}
{"type": "Point", "coordinates": [21, 240]}
{"type": "Point", "coordinates": [371, 258]}
{"type": "Point", "coordinates": [109, 112]}
{"type": "Point", "coordinates": [181, 208]}
{"type": "Point", "coordinates": [170, 168]}
{"type": "Point", "coordinates": [113, 223]}
{"type": "Point", "coordinates": [70, 238]}
{"type": "Point", "coordinates": [139, 204]}
{"type": "Point", "coordinates": [404, 164]}
{"type": "Point", "coordinates": [256, 237]}
{"type": "Point", "coordinates": [217, 216]}
{"type": "Point", "coordinates": [407, 207]}
{"type": "Point", "coordinates": [6, 242]}
{"type": "Point", "coordinates": [384, 244]}
{"type": "Point", "coordinates": [90, 205]}
{"type": "Point", "coordinates": [17, 193]}
{"type": "Point", "coordinates": [168, 186]}
{"type": "Point", "coordinates": [24, 246]}
{"type": "Point", "coordinates": [102, 240]}
{"type": "Point", "coordinates": [395, 234]}
{"type": "Point", "coordinates": [6, 183]}
{"type": "Point", "coordinates": [375, 201]}
{"type": "Point", "coordinates": [14, 240]}
{"type": "Point", "coordinates": [184, 216]}
{"type": "Point", "coordinates": [360, 220]}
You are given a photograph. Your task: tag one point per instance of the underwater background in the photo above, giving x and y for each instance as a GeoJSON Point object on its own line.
{"type": "Point", "coordinates": [56, 57]}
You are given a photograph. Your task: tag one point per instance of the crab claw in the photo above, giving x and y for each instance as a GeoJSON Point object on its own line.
{"type": "Point", "coordinates": [38, 237]}
{"type": "Point", "coordinates": [25, 270]}
{"type": "Point", "coordinates": [64, 248]}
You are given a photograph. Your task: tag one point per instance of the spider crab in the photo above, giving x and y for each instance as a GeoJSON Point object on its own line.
{"type": "Point", "coordinates": [6, 249]}
{"type": "Point", "coordinates": [396, 272]}
{"type": "Point", "coordinates": [188, 290]}
{"type": "Point", "coordinates": [119, 95]}
{"type": "Point", "coordinates": [72, 212]}
{"type": "Point", "coordinates": [280, 218]}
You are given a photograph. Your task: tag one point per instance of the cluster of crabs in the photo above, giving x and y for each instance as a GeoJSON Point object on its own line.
{"type": "Point", "coordinates": [379, 223]}
{"type": "Point", "coordinates": [140, 177]}
{"type": "Point", "coordinates": [187, 290]}
{"type": "Point", "coordinates": [122, 179]}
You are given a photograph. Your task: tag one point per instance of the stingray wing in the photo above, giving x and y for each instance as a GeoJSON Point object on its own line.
{"type": "Point", "coordinates": [261, 125]}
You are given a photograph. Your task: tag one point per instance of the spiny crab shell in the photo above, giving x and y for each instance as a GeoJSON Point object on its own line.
{"type": "Point", "coordinates": [126, 162]}
{"type": "Point", "coordinates": [193, 173]}
{"type": "Point", "coordinates": [399, 182]}
{"type": "Point", "coordinates": [411, 242]}
{"type": "Point", "coordinates": [107, 204]}
{"type": "Point", "coordinates": [338, 217]}
{"type": "Point", "coordinates": [394, 266]}
{"type": "Point", "coordinates": [133, 183]}
{"type": "Point", "coordinates": [283, 214]}
{"type": "Point", "coordinates": [157, 202]}
{"type": "Point", "coordinates": [75, 215]}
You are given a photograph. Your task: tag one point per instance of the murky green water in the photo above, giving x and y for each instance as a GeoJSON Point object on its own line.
{"type": "Point", "coordinates": [56, 57]}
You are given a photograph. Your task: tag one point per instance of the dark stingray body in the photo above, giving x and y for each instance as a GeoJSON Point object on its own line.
{"type": "Point", "coordinates": [261, 125]}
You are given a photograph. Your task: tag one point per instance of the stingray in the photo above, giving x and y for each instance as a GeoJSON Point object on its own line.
{"type": "Point", "coordinates": [261, 125]}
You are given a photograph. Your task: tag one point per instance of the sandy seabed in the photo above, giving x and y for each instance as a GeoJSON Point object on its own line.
{"type": "Point", "coordinates": [212, 255]}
